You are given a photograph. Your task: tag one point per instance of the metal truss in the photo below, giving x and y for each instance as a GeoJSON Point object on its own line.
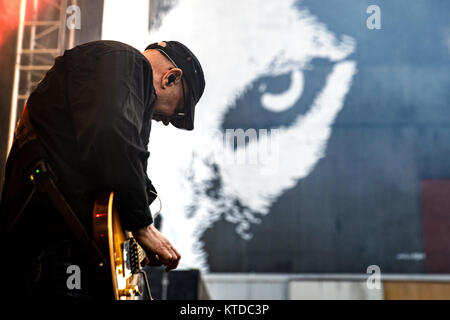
{"type": "Point", "coordinates": [39, 41]}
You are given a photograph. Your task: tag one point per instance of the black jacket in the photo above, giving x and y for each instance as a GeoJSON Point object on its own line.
{"type": "Point", "coordinates": [92, 113]}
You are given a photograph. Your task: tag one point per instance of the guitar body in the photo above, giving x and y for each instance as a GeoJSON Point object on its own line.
{"type": "Point", "coordinates": [124, 254]}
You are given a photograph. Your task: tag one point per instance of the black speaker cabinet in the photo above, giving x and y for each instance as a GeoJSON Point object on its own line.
{"type": "Point", "coordinates": [176, 285]}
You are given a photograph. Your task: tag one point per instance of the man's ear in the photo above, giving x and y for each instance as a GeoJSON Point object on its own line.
{"type": "Point", "coordinates": [173, 76]}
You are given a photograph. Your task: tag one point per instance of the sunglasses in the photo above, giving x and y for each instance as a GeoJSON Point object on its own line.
{"type": "Point", "coordinates": [183, 113]}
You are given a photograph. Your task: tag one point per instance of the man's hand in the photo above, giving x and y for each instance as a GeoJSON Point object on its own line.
{"type": "Point", "coordinates": [158, 249]}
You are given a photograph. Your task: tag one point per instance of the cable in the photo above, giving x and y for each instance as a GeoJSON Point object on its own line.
{"type": "Point", "coordinates": [13, 223]}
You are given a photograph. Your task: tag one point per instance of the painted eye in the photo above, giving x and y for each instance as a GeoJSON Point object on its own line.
{"type": "Point", "coordinates": [278, 100]}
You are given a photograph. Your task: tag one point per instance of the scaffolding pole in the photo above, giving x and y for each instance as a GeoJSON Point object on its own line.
{"type": "Point", "coordinates": [39, 41]}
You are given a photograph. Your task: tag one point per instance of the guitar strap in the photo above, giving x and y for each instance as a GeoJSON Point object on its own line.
{"type": "Point", "coordinates": [43, 177]}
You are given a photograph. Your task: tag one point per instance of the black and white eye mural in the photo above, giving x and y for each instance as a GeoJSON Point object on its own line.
{"type": "Point", "coordinates": [307, 123]}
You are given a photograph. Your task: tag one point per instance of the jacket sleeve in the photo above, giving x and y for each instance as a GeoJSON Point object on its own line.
{"type": "Point", "coordinates": [108, 97]}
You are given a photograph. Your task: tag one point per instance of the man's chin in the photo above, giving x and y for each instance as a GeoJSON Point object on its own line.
{"type": "Point", "coordinates": [159, 116]}
{"type": "Point", "coordinates": [162, 121]}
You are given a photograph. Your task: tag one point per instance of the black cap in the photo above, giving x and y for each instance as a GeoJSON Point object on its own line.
{"type": "Point", "coordinates": [184, 59]}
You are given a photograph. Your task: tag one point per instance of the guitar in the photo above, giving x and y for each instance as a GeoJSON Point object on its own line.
{"type": "Point", "coordinates": [126, 256]}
